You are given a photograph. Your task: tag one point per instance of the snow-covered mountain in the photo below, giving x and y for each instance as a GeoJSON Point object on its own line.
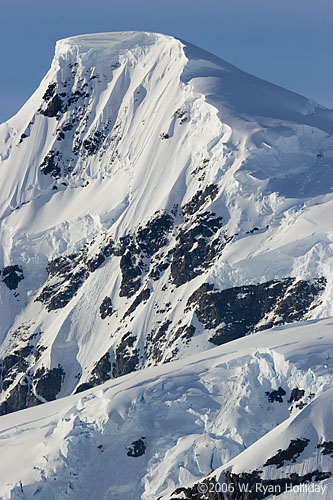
{"type": "Point", "coordinates": [157, 202]}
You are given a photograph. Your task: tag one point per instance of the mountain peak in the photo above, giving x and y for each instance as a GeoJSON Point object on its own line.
{"type": "Point", "coordinates": [144, 185]}
{"type": "Point", "coordinates": [114, 41]}
{"type": "Point", "coordinates": [157, 202]}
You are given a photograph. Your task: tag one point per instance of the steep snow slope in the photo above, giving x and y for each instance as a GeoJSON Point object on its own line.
{"type": "Point", "coordinates": [146, 434]}
{"type": "Point", "coordinates": [294, 460]}
{"type": "Point", "coordinates": [155, 201]}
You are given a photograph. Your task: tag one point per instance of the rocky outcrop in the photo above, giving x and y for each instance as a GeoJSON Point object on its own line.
{"type": "Point", "coordinates": [250, 486]}
{"type": "Point", "coordinates": [48, 382]}
{"type": "Point", "coordinates": [20, 397]}
{"type": "Point", "coordinates": [67, 274]}
{"type": "Point", "coordinates": [156, 342]}
{"type": "Point", "coordinates": [126, 356]}
{"type": "Point", "coordinates": [154, 235]}
{"type": "Point", "coordinates": [197, 248]}
{"type": "Point", "coordinates": [208, 489]}
{"type": "Point", "coordinates": [326, 448]}
{"type": "Point", "coordinates": [137, 448]}
{"type": "Point", "coordinates": [276, 395]}
{"type": "Point", "coordinates": [100, 374]}
{"type": "Point", "coordinates": [14, 364]}
{"type": "Point", "coordinates": [51, 165]}
{"type": "Point", "coordinates": [106, 309]}
{"type": "Point", "coordinates": [296, 395]}
{"type": "Point", "coordinates": [200, 198]}
{"type": "Point", "coordinates": [131, 268]}
{"type": "Point", "coordinates": [237, 311]}
{"type": "Point", "coordinates": [11, 276]}
{"type": "Point", "coordinates": [294, 450]}
{"type": "Point", "coordinates": [143, 296]}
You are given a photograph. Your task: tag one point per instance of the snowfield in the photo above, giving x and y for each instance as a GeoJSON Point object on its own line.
{"type": "Point", "coordinates": [165, 277]}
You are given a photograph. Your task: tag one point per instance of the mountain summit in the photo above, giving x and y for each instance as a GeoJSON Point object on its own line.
{"type": "Point", "coordinates": [155, 202]}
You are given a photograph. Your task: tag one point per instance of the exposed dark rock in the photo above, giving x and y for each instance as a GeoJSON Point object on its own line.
{"type": "Point", "coordinates": [50, 91]}
{"type": "Point", "coordinates": [93, 143]}
{"type": "Point", "coordinates": [66, 127]}
{"type": "Point", "coordinates": [197, 248]}
{"type": "Point", "coordinates": [20, 397]}
{"type": "Point", "coordinates": [60, 136]}
{"type": "Point", "coordinates": [126, 357]}
{"type": "Point", "coordinates": [298, 300]}
{"type": "Point", "coordinates": [50, 164]}
{"type": "Point", "coordinates": [137, 448]}
{"type": "Point", "coordinates": [276, 395]}
{"type": "Point", "coordinates": [17, 399]}
{"type": "Point", "coordinates": [74, 97]}
{"type": "Point", "coordinates": [60, 294]}
{"type": "Point", "coordinates": [239, 310]}
{"type": "Point", "coordinates": [23, 136]}
{"type": "Point", "coordinates": [131, 272]}
{"type": "Point", "coordinates": [250, 486]}
{"type": "Point", "coordinates": [99, 374]}
{"type": "Point", "coordinates": [185, 333]}
{"type": "Point", "coordinates": [125, 244]}
{"type": "Point", "coordinates": [16, 360]}
{"type": "Point", "coordinates": [201, 169]}
{"type": "Point", "coordinates": [181, 114]}
{"type": "Point", "coordinates": [200, 198]}
{"type": "Point", "coordinates": [106, 308]}
{"type": "Point", "coordinates": [142, 297]}
{"type": "Point", "coordinates": [294, 450]}
{"type": "Point", "coordinates": [48, 292]}
{"type": "Point", "coordinates": [158, 269]}
{"type": "Point", "coordinates": [61, 266]}
{"type": "Point", "coordinates": [11, 276]}
{"type": "Point", "coordinates": [48, 382]}
{"type": "Point", "coordinates": [327, 448]}
{"type": "Point", "coordinates": [38, 351]}
{"type": "Point", "coordinates": [83, 387]}
{"type": "Point", "coordinates": [53, 107]}
{"type": "Point", "coordinates": [108, 248]}
{"type": "Point", "coordinates": [146, 242]}
{"type": "Point", "coordinates": [156, 341]}
{"type": "Point", "coordinates": [72, 271]}
{"type": "Point", "coordinates": [208, 489]}
{"type": "Point", "coordinates": [96, 262]}
{"type": "Point", "coordinates": [296, 395]}
{"type": "Point", "coordinates": [154, 235]}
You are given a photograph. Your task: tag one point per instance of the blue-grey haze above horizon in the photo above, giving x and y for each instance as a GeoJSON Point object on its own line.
{"type": "Point", "coordinates": [286, 42]}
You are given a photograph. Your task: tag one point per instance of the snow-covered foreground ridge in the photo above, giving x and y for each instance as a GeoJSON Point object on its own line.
{"type": "Point", "coordinates": [146, 434]}
{"type": "Point", "coordinates": [155, 201]}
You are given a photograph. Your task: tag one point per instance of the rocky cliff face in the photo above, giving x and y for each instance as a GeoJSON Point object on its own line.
{"type": "Point", "coordinates": [155, 202]}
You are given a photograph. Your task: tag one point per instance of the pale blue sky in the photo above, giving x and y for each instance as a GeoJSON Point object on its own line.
{"type": "Point", "coordinates": [288, 42]}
